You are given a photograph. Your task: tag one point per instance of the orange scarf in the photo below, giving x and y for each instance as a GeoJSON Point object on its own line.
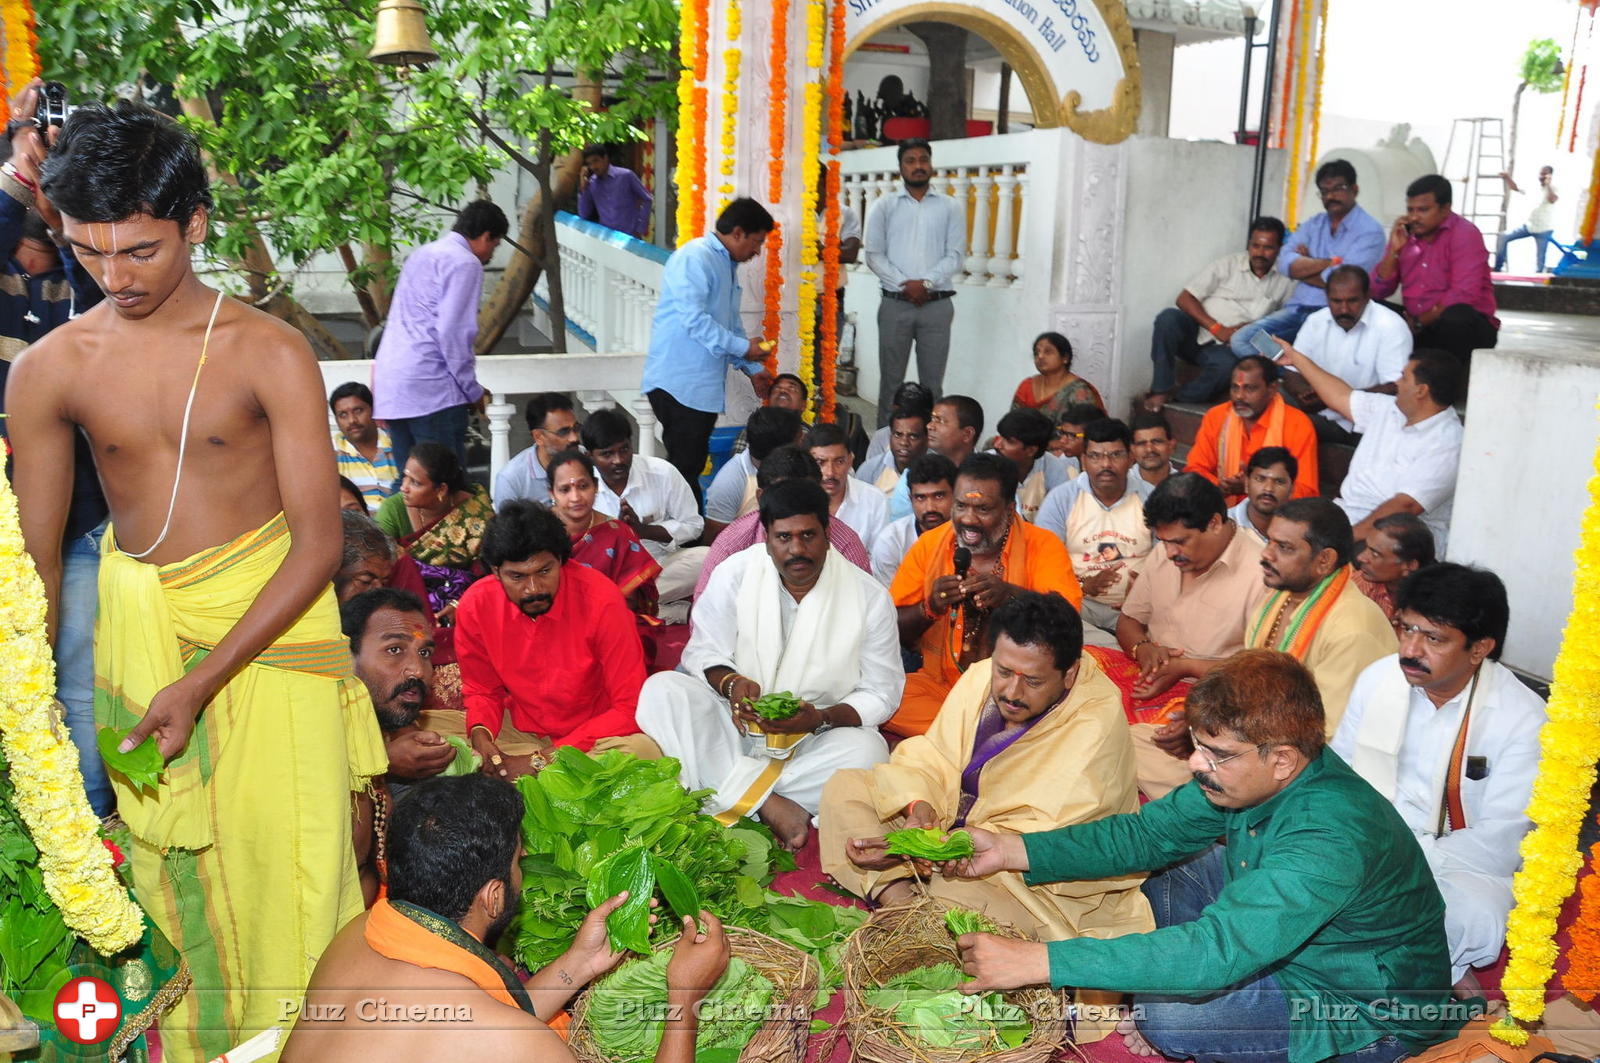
{"type": "Point", "coordinates": [1296, 634]}
{"type": "Point", "coordinates": [1231, 454]}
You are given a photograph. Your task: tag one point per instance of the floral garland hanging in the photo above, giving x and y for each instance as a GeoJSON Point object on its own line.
{"type": "Point", "coordinates": [22, 49]}
{"type": "Point", "coordinates": [810, 150]}
{"type": "Point", "coordinates": [731, 58]}
{"type": "Point", "coordinates": [828, 357]}
{"type": "Point", "coordinates": [777, 119]}
{"type": "Point", "coordinates": [1304, 15]}
{"type": "Point", "coordinates": [48, 788]}
{"type": "Point", "coordinates": [1569, 746]}
{"type": "Point", "coordinates": [1582, 979]}
{"type": "Point", "coordinates": [1566, 77]}
{"type": "Point", "coordinates": [1316, 87]}
{"type": "Point", "coordinates": [691, 122]}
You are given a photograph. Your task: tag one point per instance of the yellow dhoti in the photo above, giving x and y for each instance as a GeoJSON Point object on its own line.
{"type": "Point", "coordinates": [242, 856]}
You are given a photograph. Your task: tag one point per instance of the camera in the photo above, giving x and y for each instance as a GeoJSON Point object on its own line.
{"type": "Point", "coordinates": [53, 108]}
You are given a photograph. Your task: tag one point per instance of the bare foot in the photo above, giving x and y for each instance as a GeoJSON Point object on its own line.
{"type": "Point", "coordinates": [1468, 987]}
{"type": "Point", "coordinates": [790, 822]}
{"type": "Point", "coordinates": [900, 891]}
{"type": "Point", "coordinates": [1134, 1040]}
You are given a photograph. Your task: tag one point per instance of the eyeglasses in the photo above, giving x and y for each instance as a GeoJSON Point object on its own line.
{"type": "Point", "coordinates": [1211, 761]}
{"type": "Point", "coordinates": [1332, 190]}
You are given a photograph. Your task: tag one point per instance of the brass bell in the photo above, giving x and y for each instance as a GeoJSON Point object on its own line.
{"type": "Point", "coordinates": [401, 37]}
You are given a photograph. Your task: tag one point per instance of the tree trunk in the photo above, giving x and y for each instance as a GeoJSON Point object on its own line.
{"type": "Point", "coordinates": [947, 78]}
{"type": "Point", "coordinates": [1511, 154]}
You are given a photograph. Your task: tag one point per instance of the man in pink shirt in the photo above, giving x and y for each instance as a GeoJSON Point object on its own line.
{"type": "Point", "coordinates": [1439, 259]}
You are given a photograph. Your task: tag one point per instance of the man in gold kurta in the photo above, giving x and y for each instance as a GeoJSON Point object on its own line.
{"type": "Point", "coordinates": [1034, 736]}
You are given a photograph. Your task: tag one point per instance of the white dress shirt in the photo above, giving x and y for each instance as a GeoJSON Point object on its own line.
{"type": "Point", "coordinates": [864, 510]}
{"type": "Point", "coordinates": [1395, 458]}
{"type": "Point", "coordinates": [658, 494]}
{"type": "Point", "coordinates": [916, 239]}
{"type": "Point", "coordinates": [891, 547]}
{"type": "Point", "coordinates": [1374, 351]}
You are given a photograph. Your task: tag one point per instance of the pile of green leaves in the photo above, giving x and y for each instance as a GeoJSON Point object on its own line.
{"type": "Point", "coordinates": [961, 921]}
{"type": "Point", "coordinates": [583, 809]}
{"type": "Point", "coordinates": [626, 1010]}
{"type": "Point", "coordinates": [925, 843]}
{"type": "Point", "coordinates": [34, 941]}
{"type": "Point", "coordinates": [926, 1005]}
{"type": "Point", "coordinates": [466, 762]}
{"type": "Point", "coordinates": [779, 705]}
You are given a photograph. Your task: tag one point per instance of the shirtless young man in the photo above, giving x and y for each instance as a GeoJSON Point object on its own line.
{"type": "Point", "coordinates": [219, 638]}
{"type": "Point", "coordinates": [414, 980]}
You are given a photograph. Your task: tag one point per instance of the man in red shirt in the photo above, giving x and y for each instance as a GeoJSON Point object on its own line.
{"type": "Point", "coordinates": [552, 644]}
{"type": "Point", "coordinates": [1438, 258]}
{"type": "Point", "coordinates": [1254, 416]}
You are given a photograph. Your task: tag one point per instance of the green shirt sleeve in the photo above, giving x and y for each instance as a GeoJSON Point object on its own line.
{"type": "Point", "coordinates": [1263, 914]}
{"type": "Point", "coordinates": [391, 516]}
{"type": "Point", "coordinates": [1161, 833]}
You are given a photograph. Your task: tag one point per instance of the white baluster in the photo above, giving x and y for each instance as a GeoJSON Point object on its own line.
{"type": "Point", "coordinates": [978, 243]}
{"type": "Point", "coordinates": [500, 412]}
{"type": "Point", "coordinates": [647, 427]}
{"type": "Point", "coordinates": [605, 325]}
{"type": "Point", "coordinates": [1004, 240]}
{"type": "Point", "coordinates": [1024, 243]}
{"type": "Point", "coordinates": [941, 182]}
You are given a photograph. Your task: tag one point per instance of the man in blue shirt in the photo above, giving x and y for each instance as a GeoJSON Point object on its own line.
{"type": "Point", "coordinates": [697, 335]}
{"type": "Point", "coordinates": [1343, 234]}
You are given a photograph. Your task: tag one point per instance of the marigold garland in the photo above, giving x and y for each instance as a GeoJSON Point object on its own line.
{"type": "Point", "coordinates": [777, 119]}
{"type": "Point", "coordinates": [1582, 978]}
{"type": "Point", "coordinates": [1566, 77]}
{"type": "Point", "coordinates": [731, 58]}
{"type": "Point", "coordinates": [22, 49]}
{"type": "Point", "coordinates": [1305, 15]}
{"type": "Point", "coordinates": [1316, 87]}
{"type": "Point", "coordinates": [1570, 745]}
{"type": "Point", "coordinates": [829, 356]}
{"type": "Point", "coordinates": [692, 59]}
{"type": "Point", "coordinates": [810, 149]}
{"type": "Point", "coordinates": [48, 787]}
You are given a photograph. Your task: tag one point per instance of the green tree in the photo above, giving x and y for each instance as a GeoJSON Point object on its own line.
{"type": "Point", "coordinates": [314, 148]}
{"type": "Point", "coordinates": [1541, 71]}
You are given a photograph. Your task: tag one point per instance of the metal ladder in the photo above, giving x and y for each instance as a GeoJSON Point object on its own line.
{"type": "Point", "coordinates": [1473, 158]}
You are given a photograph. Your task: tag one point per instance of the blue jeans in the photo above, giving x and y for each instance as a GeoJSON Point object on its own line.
{"type": "Point", "coordinates": [1283, 323]}
{"type": "Point", "coordinates": [1541, 243]}
{"type": "Point", "coordinates": [74, 654]}
{"type": "Point", "coordinates": [1245, 1023]}
{"type": "Point", "coordinates": [447, 426]}
{"type": "Point", "coordinates": [1176, 336]}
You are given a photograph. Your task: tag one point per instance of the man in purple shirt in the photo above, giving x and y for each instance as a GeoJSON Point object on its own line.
{"type": "Point", "coordinates": [613, 195]}
{"type": "Point", "coordinates": [1439, 259]}
{"type": "Point", "coordinates": [424, 380]}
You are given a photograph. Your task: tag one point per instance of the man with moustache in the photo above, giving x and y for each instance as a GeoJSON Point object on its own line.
{"type": "Point", "coordinates": [785, 616]}
{"type": "Point", "coordinates": [1254, 416]}
{"type": "Point", "coordinates": [931, 481]}
{"type": "Point", "coordinates": [1451, 737]}
{"type": "Point", "coordinates": [1269, 477]}
{"type": "Point", "coordinates": [1153, 444]}
{"type": "Point", "coordinates": [553, 424]}
{"type": "Point", "coordinates": [1100, 518]}
{"type": "Point", "coordinates": [733, 489]}
{"type": "Point", "coordinates": [362, 449]}
{"type": "Point", "coordinates": [1358, 340]}
{"type": "Point", "coordinates": [945, 613]}
{"type": "Point", "coordinates": [908, 441]}
{"type": "Point", "coordinates": [1023, 436]}
{"type": "Point", "coordinates": [993, 759]}
{"type": "Point", "coordinates": [954, 429]}
{"type": "Point", "coordinates": [551, 646]}
{"type": "Point", "coordinates": [859, 506]}
{"type": "Point", "coordinates": [1397, 546]}
{"type": "Point", "coordinates": [915, 239]}
{"type": "Point", "coordinates": [1314, 931]}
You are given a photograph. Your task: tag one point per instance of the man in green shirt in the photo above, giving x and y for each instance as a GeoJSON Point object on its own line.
{"type": "Point", "coordinates": [1314, 931]}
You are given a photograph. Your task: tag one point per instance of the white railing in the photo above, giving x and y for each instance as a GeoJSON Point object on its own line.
{"type": "Point", "coordinates": [596, 377]}
{"type": "Point", "coordinates": [988, 176]}
{"type": "Point", "coordinates": [609, 284]}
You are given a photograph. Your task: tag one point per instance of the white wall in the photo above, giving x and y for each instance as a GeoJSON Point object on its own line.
{"type": "Point", "coordinates": [1529, 451]}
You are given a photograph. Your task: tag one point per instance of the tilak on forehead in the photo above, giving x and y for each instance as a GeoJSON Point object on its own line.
{"type": "Point", "coordinates": [101, 235]}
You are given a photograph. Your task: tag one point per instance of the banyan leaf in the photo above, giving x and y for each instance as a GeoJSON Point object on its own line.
{"type": "Point", "coordinates": [142, 765]}
{"type": "Point", "coordinates": [677, 889]}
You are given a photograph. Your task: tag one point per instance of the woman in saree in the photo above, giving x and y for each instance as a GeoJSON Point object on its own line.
{"type": "Point", "coordinates": [1055, 388]}
{"type": "Point", "coordinates": [603, 543]}
{"type": "Point", "coordinates": [438, 518]}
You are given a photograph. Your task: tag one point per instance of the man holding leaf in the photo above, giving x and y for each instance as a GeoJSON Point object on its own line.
{"type": "Point", "coordinates": [792, 663]}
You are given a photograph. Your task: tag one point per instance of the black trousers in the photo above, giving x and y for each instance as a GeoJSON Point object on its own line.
{"type": "Point", "coordinates": [686, 432]}
{"type": "Point", "coordinates": [1460, 329]}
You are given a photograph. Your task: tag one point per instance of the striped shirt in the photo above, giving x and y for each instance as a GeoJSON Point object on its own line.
{"type": "Point", "coordinates": [377, 479]}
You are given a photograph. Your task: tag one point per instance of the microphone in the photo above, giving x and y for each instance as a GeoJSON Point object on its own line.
{"type": "Point", "coordinates": [963, 561]}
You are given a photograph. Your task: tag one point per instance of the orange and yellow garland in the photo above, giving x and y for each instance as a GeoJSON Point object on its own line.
{"type": "Point", "coordinates": [777, 119]}
{"type": "Point", "coordinates": [810, 149]}
{"type": "Point", "coordinates": [693, 56]}
{"type": "Point", "coordinates": [1582, 979]}
{"type": "Point", "coordinates": [828, 358]}
{"type": "Point", "coordinates": [731, 57]}
{"type": "Point", "coordinates": [22, 50]}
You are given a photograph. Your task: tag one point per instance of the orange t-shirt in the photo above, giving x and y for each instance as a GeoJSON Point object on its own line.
{"type": "Point", "coordinates": [1299, 437]}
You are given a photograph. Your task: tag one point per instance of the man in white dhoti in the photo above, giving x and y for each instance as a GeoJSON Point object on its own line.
{"type": "Point", "coordinates": [787, 615]}
{"type": "Point", "coordinates": [1451, 737]}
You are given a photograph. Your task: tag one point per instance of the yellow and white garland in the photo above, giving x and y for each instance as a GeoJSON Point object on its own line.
{"type": "Point", "coordinates": [1569, 746]}
{"type": "Point", "coordinates": [47, 785]}
{"type": "Point", "coordinates": [731, 58]}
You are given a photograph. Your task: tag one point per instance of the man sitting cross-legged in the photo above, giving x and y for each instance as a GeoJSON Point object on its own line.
{"type": "Point", "coordinates": [551, 645]}
{"type": "Point", "coordinates": [788, 616]}
{"type": "Point", "coordinates": [1254, 416]}
{"type": "Point", "coordinates": [1313, 932]}
{"type": "Point", "coordinates": [784, 463]}
{"type": "Point", "coordinates": [1410, 446]}
{"type": "Point", "coordinates": [932, 483]}
{"type": "Point", "coordinates": [1268, 480]}
{"type": "Point", "coordinates": [416, 979]}
{"type": "Point", "coordinates": [955, 576]}
{"type": "Point", "coordinates": [993, 759]}
{"type": "Point", "coordinates": [1451, 737]}
{"type": "Point", "coordinates": [1397, 546]}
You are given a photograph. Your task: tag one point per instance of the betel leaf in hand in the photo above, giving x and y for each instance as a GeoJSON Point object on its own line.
{"type": "Point", "coordinates": [776, 706]}
{"type": "Point", "coordinates": [466, 760]}
{"type": "Point", "coordinates": [925, 843]}
{"type": "Point", "coordinates": [142, 765]}
{"type": "Point", "coordinates": [677, 888]}
{"type": "Point", "coordinates": [628, 928]}
{"type": "Point", "coordinates": [960, 921]}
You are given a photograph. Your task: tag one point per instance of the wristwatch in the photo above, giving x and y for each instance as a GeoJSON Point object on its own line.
{"type": "Point", "coordinates": [825, 725]}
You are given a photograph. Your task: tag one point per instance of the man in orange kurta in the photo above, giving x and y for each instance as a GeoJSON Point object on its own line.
{"type": "Point", "coordinates": [1254, 416]}
{"type": "Point", "coordinates": [945, 615]}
